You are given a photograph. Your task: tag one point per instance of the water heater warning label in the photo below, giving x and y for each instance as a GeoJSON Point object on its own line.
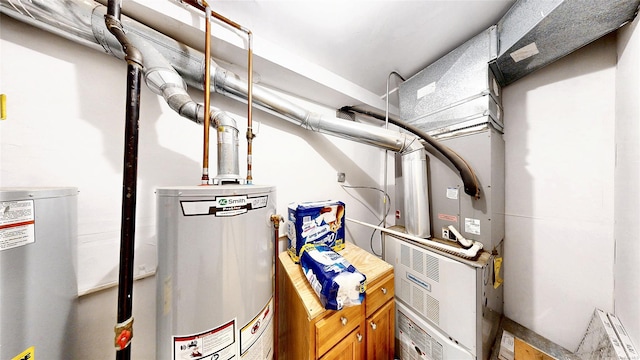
{"type": "Point", "coordinates": [17, 224]}
{"type": "Point", "coordinates": [256, 338]}
{"type": "Point", "coordinates": [29, 354]}
{"type": "Point", "coordinates": [219, 343]}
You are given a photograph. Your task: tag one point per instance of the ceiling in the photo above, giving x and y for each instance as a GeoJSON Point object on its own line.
{"type": "Point", "coordinates": [334, 52]}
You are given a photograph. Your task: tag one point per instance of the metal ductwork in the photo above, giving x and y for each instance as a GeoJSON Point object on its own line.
{"type": "Point", "coordinates": [86, 26]}
{"type": "Point", "coordinates": [83, 22]}
{"type": "Point", "coordinates": [535, 33]}
{"type": "Point", "coordinates": [164, 80]}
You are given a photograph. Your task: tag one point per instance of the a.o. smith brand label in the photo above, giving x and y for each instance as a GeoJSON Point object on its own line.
{"type": "Point", "coordinates": [223, 205]}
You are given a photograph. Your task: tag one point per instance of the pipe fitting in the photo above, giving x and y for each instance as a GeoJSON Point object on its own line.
{"type": "Point", "coordinates": [132, 54]}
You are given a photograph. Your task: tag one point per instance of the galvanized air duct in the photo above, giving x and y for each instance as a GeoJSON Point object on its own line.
{"type": "Point", "coordinates": [86, 18]}
{"type": "Point", "coordinates": [162, 79]}
{"type": "Point", "coordinates": [533, 33]}
{"type": "Point", "coordinates": [189, 63]}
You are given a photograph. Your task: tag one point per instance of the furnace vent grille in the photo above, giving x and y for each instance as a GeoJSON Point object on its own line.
{"type": "Point", "coordinates": [433, 268]}
{"type": "Point", "coordinates": [433, 309]}
{"type": "Point", "coordinates": [418, 261]}
{"type": "Point", "coordinates": [405, 291]}
{"type": "Point", "coordinates": [418, 299]}
{"type": "Point", "coordinates": [404, 256]}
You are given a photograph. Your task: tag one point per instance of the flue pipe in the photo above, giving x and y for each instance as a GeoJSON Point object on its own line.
{"type": "Point", "coordinates": [162, 79]}
{"type": "Point", "coordinates": [189, 64]}
{"type": "Point", "coordinates": [250, 134]}
{"type": "Point", "coordinates": [124, 326]}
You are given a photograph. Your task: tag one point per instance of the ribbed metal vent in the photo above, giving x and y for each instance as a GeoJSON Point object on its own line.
{"type": "Point", "coordinates": [405, 289]}
{"type": "Point", "coordinates": [433, 268]}
{"type": "Point", "coordinates": [405, 253]}
{"type": "Point", "coordinates": [433, 309]}
{"type": "Point", "coordinates": [535, 33]}
{"type": "Point", "coordinates": [417, 300]}
{"type": "Point", "coordinates": [418, 261]}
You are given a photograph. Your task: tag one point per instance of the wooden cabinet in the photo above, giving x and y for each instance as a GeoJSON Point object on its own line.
{"type": "Point", "coordinates": [308, 331]}
{"type": "Point", "coordinates": [380, 328]}
{"type": "Point", "coordinates": [349, 348]}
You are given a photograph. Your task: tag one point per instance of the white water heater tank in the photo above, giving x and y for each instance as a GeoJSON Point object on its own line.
{"type": "Point", "coordinates": [215, 272]}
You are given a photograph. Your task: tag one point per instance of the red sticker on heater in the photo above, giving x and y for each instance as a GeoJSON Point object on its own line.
{"type": "Point", "coordinates": [446, 217]}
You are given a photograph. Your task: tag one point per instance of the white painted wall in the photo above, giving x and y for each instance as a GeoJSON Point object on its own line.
{"type": "Point", "coordinates": [64, 127]}
{"type": "Point", "coordinates": [559, 164]}
{"type": "Point", "coordinates": [627, 179]}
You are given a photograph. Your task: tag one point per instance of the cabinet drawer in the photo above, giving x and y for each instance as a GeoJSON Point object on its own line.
{"type": "Point", "coordinates": [330, 330]}
{"type": "Point", "coordinates": [378, 294]}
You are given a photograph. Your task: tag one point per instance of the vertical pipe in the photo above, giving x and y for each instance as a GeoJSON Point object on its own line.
{"type": "Point", "coordinates": [276, 219]}
{"type": "Point", "coordinates": [202, 5]}
{"type": "Point", "coordinates": [124, 327]}
{"type": "Point", "coordinates": [386, 160]}
{"type": "Point", "coordinates": [250, 134]}
{"type": "Point", "coordinates": [128, 225]}
{"type": "Point", "coordinates": [207, 94]}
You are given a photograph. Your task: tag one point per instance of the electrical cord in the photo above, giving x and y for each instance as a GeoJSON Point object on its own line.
{"type": "Point", "coordinates": [387, 201]}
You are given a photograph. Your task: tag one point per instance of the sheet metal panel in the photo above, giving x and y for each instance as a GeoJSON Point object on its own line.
{"type": "Point", "coordinates": [533, 33]}
{"type": "Point", "coordinates": [461, 76]}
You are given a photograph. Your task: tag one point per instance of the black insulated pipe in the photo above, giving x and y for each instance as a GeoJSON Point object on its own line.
{"type": "Point", "coordinates": [468, 176]}
{"type": "Point", "coordinates": [124, 326]}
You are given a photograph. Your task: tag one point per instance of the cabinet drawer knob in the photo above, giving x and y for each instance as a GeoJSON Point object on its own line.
{"type": "Point", "coordinates": [343, 320]}
{"type": "Point", "coordinates": [373, 325]}
{"type": "Point", "coordinates": [384, 290]}
{"type": "Point", "coordinates": [359, 337]}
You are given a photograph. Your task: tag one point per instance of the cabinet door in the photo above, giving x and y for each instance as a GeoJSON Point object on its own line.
{"type": "Point", "coordinates": [332, 329]}
{"type": "Point", "coordinates": [380, 333]}
{"type": "Point", "coordinates": [349, 348]}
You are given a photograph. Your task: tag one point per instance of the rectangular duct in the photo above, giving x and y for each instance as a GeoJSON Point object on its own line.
{"type": "Point", "coordinates": [458, 90]}
{"type": "Point", "coordinates": [534, 33]}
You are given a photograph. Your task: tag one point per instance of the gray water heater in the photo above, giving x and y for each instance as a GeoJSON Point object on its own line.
{"type": "Point", "coordinates": [215, 272]}
{"type": "Point", "coordinates": [38, 287]}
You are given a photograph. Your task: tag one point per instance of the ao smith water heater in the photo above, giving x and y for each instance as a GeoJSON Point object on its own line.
{"type": "Point", "coordinates": [215, 272]}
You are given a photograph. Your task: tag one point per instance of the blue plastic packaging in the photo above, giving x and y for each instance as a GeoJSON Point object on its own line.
{"type": "Point", "coordinates": [336, 281]}
{"type": "Point", "coordinates": [318, 222]}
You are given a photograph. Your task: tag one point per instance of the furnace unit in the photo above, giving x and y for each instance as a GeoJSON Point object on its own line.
{"type": "Point", "coordinates": [451, 300]}
{"type": "Point", "coordinates": [445, 298]}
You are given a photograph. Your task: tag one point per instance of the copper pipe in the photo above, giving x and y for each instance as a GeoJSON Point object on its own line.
{"type": "Point", "coordinates": [250, 134]}
{"type": "Point", "coordinates": [276, 219]}
{"type": "Point", "coordinates": [207, 94]}
{"type": "Point", "coordinates": [202, 5]}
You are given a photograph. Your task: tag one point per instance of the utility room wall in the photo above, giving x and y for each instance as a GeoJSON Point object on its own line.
{"type": "Point", "coordinates": [559, 165]}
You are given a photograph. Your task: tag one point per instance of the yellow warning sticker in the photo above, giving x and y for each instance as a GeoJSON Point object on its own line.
{"type": "Point", "coordinates": [497, 264]}
{"type": "Point", "coordinates": [29, 354]}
